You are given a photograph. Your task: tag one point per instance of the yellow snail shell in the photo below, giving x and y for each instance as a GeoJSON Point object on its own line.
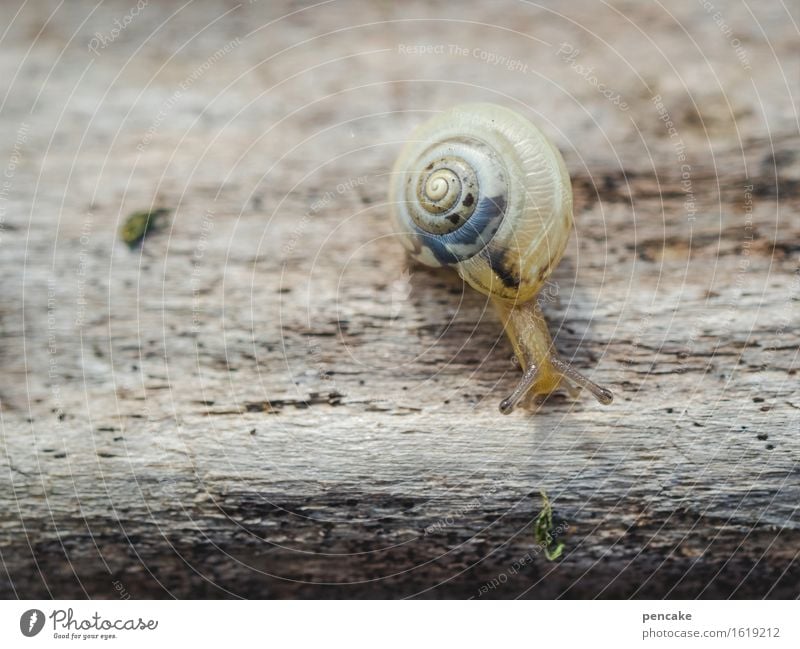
{"type": "Point", "coordinates": [481, 189]}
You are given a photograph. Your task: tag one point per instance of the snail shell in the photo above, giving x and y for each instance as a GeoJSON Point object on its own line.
{"type": "Point", "coordinates": [481, 189]}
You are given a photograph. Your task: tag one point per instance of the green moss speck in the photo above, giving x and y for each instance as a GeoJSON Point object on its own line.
{"type": "Point", "coordinates": [543, 531]}
{"type": "Point", "coordinates": [139, 224]}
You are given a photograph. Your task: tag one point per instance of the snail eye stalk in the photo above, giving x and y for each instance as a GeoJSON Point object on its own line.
{"type": "Point", "coordinates": [603, 395]}
{"type": "Point", "coordinates": [508, 404]}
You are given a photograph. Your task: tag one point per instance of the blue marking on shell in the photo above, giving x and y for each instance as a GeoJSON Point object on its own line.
{"type": "Point", "coordinates": [470, 238]}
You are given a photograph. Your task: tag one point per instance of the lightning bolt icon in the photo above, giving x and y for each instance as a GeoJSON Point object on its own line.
{"type": "Point", "coordinates": [32, 621]}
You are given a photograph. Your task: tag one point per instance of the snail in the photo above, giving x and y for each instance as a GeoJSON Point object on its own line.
{"type": "Point", "coordinates": [479, 188]}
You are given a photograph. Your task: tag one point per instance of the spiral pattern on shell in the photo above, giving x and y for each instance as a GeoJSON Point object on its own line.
{"type": "Point", "coordinates": [480, 188]}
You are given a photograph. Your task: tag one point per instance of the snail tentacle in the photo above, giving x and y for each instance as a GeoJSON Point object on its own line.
{"type": "Point", "coordinates": [524, 386]}
{"type": "Point", "coordinates": [603, 395]}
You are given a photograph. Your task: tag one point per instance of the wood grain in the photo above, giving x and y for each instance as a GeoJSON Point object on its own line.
{"type": "Point", "coordinates": [266, 401]}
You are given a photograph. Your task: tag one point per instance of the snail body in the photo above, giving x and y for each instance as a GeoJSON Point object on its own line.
{"type": "Point", "coordinates": [480, 189]}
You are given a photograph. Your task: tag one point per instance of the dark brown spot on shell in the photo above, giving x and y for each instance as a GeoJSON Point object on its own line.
{"type": "Point", "coordinates": [469, 199]}
{"type": "Point", "coordinates": [497, 262]}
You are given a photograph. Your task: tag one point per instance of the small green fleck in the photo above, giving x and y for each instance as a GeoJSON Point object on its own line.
{"type": "Point", "coordinates": [543, 531]}
{"type": "Point", "coordinates": [140, 224]}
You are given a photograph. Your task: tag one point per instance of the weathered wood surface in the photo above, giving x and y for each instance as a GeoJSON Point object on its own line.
{"type": "Point", "coordinates": [263, 402]}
